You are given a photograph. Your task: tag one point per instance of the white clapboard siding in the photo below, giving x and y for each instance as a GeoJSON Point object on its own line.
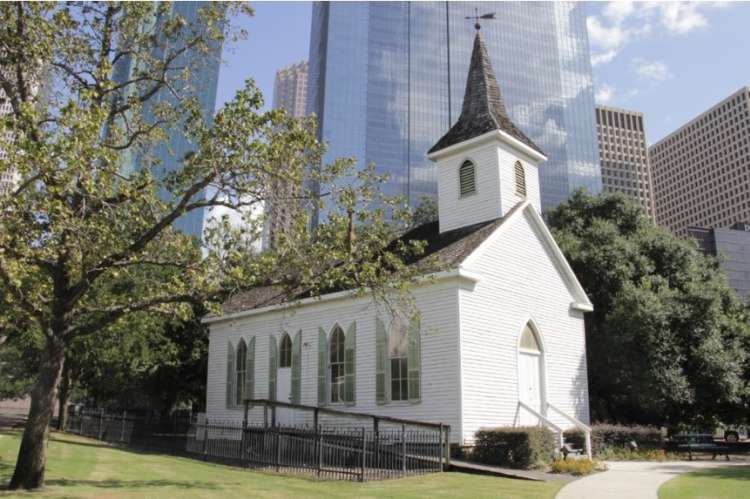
{"type": "Point", "coordinates": [440, 399]}
{"type": "Point", "coordinates": [518, 282]}
{"type": "Point", "coordinates": [495, 195]}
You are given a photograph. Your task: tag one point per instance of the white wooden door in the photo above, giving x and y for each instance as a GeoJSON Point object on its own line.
{"type": "Point", "coordinates": [284, 416]}
{"type": "Point", "coordinates": [530, 386]}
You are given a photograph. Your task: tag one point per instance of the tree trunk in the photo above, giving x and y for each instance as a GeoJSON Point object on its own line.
{"type": "Point", "coordinates": [32, 456]}
{"type": "Point", "coordinates": [63, 397]}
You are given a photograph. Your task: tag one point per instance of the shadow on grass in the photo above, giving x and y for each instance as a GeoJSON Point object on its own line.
{"type": "Point", "coordinates": [135, 484]}
{"type": "Point", "coordinates": [738, 472]}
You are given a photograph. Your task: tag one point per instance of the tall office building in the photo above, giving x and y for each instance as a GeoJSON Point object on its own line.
{"type": "Point", "coordinates": [701, 171]}
{"type": "Point", "coordinates": [624, 155]}
{"type": "Point", "coordinates": [290, 93]}
{"type": "Point", "coordinates": [8, 177]}
{"type": "Point", "coordinates": [732, 246]}
{"type": "Point", "coordinates": [387, 78]}
{"type": "Point", "coordinates": [202, 84]}
{"type": "Point", "coordinates": [290, 89]}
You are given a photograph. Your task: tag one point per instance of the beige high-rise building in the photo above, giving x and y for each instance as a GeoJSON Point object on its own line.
{"type": "Point", "coordinates": [701, 170]}
{"type": "Point", "coordinates": [290, 89]}
{"type": "Point", "coordinates": [290, 93]}
{"type": "Point", "coordinates": [624, 155]}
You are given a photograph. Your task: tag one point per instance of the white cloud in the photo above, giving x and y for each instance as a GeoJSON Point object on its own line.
{"type": "Point", "coordinates": [604, 94]}
{"type": "Point", "coordinates": [603, 57]}
{"type": "Point", "coordinates": [652, 70]}
{"type": "Point", "coordinates": [621, 22]}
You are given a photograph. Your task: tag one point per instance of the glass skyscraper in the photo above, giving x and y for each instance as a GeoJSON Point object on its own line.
{"type": "Point", "coordinates": [386, 81]}
{"type": "Point", "coordinates": [202, 84]}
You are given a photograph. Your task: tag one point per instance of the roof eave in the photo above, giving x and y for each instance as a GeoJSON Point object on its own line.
{"type": "Point", "coordinates": [486, 137]}
{"type": "Point", "coordinates": [457, 272]}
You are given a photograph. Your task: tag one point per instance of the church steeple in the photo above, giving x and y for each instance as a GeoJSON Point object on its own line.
{"type": "Point", "coordinates": [485, 165]}
{"type": "Point", "coordinates": [483, 107]}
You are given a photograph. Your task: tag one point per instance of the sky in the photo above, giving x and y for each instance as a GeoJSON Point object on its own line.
{"type": "Point", "coordinates": [669, 60]}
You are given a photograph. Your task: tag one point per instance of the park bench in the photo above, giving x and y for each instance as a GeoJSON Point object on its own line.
{"type": "Point", "coordinates": [698, 443]}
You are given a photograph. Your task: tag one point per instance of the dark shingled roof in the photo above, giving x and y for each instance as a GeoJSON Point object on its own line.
{"type": "Point", "coordinates": [483, 109]}
{"type": "Point", "coordinates": [449, 248]}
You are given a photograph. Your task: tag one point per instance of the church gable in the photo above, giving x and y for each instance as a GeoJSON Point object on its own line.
{"type": "Point", "coordinates": [523, 241]}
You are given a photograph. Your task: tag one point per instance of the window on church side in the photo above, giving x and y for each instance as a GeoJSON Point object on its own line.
{"type": "Point", "coordinates": [398, 354]}
{"type": "Point", "coordinates": [285, 352]}
{"type": "Point", "coordinates": [240, 367]}
{"type": "Point", "coordinates": [520, 179]}
{"type": "Point", "coordinates": [336, 362]}
{"type": "Point", "coordinates": [467, 178]}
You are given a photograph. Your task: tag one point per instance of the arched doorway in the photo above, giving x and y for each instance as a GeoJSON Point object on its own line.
{"type": "Point", "coordinates": [530, 375]}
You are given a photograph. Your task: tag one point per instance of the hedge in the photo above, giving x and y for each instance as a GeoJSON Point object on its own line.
{"type": "Point", "coordinates": [517, 447]}
{"type": "Point", "coordinates": [609, 436]}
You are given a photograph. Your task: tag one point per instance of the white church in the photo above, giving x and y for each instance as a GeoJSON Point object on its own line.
{"type": "Point", "coordinates": [499, 339]}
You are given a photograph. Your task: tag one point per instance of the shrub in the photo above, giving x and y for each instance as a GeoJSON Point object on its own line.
{"type": "Point", "coordinates": [609, 436]}
{"type": "Point", "coordinates": [576, 466]}
{"type": "Point", "coordinates": [621, 454]}
{"type": "Point", "coordinates": [520, 447]}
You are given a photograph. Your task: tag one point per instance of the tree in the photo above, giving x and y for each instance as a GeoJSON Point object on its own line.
{"type": "Point", "coordinates": [427, 211]}
{"type": "Point", "coordinates": [667, 341]}
{"type": "Point", "coordinates": [87, 238]}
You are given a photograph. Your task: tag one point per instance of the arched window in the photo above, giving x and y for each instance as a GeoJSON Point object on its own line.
{"type": "Point", "coordinates": [398, 354]}
{"type": "Point", "coordinates": [285, 352]}
{"type": "Point", "coordinates": [520, 179]}
{"type": "Point", "coordinates": [529, 341]}
{"type": "Point", "coordinates": [467, 177]}
{"type": "Point", "coordinates": [336, 365]}
{"type": "Point", "coordinates": [240, 370]}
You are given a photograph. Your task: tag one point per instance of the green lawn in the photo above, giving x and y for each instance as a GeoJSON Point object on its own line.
{"type": "Point", "coordinates": [729, 482]}
{"type": "Point", "coordinates": [79, 467]}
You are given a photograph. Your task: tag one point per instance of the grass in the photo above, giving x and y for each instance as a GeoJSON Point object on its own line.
{"type": "Point", "coordinates": [79, 467]}
{"type": "Point", "coordinates": [729, 482]}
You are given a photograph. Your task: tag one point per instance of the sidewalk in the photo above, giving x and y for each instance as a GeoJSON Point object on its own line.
{"type": "Point", "coordinates": [634, 479]}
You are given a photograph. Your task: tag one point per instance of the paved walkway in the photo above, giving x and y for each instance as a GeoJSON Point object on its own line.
{"type": "Point", "coordinates": [633, 480]}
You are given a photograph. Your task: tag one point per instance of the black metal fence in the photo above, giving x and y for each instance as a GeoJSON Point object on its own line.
{"type": "Point", "coordinates": [328, 449]}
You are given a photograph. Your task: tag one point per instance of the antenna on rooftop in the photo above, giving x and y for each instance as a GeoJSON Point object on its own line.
{"type": "Point", "coordinates": [476, 18]}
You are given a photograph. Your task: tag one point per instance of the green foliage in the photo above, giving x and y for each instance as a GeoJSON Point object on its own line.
{"type": "Point", "coordinates": [610, 436]}
{"type": "Point", "coordinates": [426, 211]}
{"type": "Point", "coordinates": [87, 244]}
{"type": "Point", "coordinates": [577, 467]}
{"type": "Point", "coordinates": [519, 447]}
{"type": "Point", "coordinates": [621, 454]}
{"type": "Point", "coordinates": [667, 341]}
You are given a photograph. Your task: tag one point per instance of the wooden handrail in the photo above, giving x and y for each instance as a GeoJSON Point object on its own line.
{"type": "Point", "coordinates": [540, 416]}
{"type": "Point", "coordinates": [570, 418]}
{"type": "Point", "coordinates": [586, 429]}
{"type": "Point", "coordinates": [336, 412]}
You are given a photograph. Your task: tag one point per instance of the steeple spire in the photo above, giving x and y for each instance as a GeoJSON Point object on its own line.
{"type": "Point", "coordinates": [483, 108]}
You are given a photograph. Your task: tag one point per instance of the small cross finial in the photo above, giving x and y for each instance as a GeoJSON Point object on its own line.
{"type": "Point", "coordinates": [476, 18]}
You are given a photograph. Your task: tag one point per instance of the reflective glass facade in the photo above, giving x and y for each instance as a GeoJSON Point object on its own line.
{"type": "Point", "coordinates": [202, 83]}
{"type": "Point", "coordinates": [387, 80]}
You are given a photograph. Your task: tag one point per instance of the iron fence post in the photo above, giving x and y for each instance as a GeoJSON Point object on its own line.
{"type": "Point", "coordinates": [403, 449]}
{"type": "Point", "coordinates": [364, 455]}
{"type": "Point", "coordinates": [122, 432]}
{"type": "Point", "coordinates": [376, 440]}
{"type": "Point", "coordinates": [101, 423]}
{"type": "Point", "coordinates": [440, 448]}
{"type": "Point", "coordinates": [278, 449]}
{"type": "Point", "coordinates": [244, 454]}
{"type": "Point", "coordinates": [447, 447]}
{"type": "Point", "coordinates": [320, 450]}
{"type": "Point", "coordinates": [205, 439]}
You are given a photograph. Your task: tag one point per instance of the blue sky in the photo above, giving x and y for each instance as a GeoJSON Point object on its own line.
{"type": "Point", "coordinates": [670, 60]}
